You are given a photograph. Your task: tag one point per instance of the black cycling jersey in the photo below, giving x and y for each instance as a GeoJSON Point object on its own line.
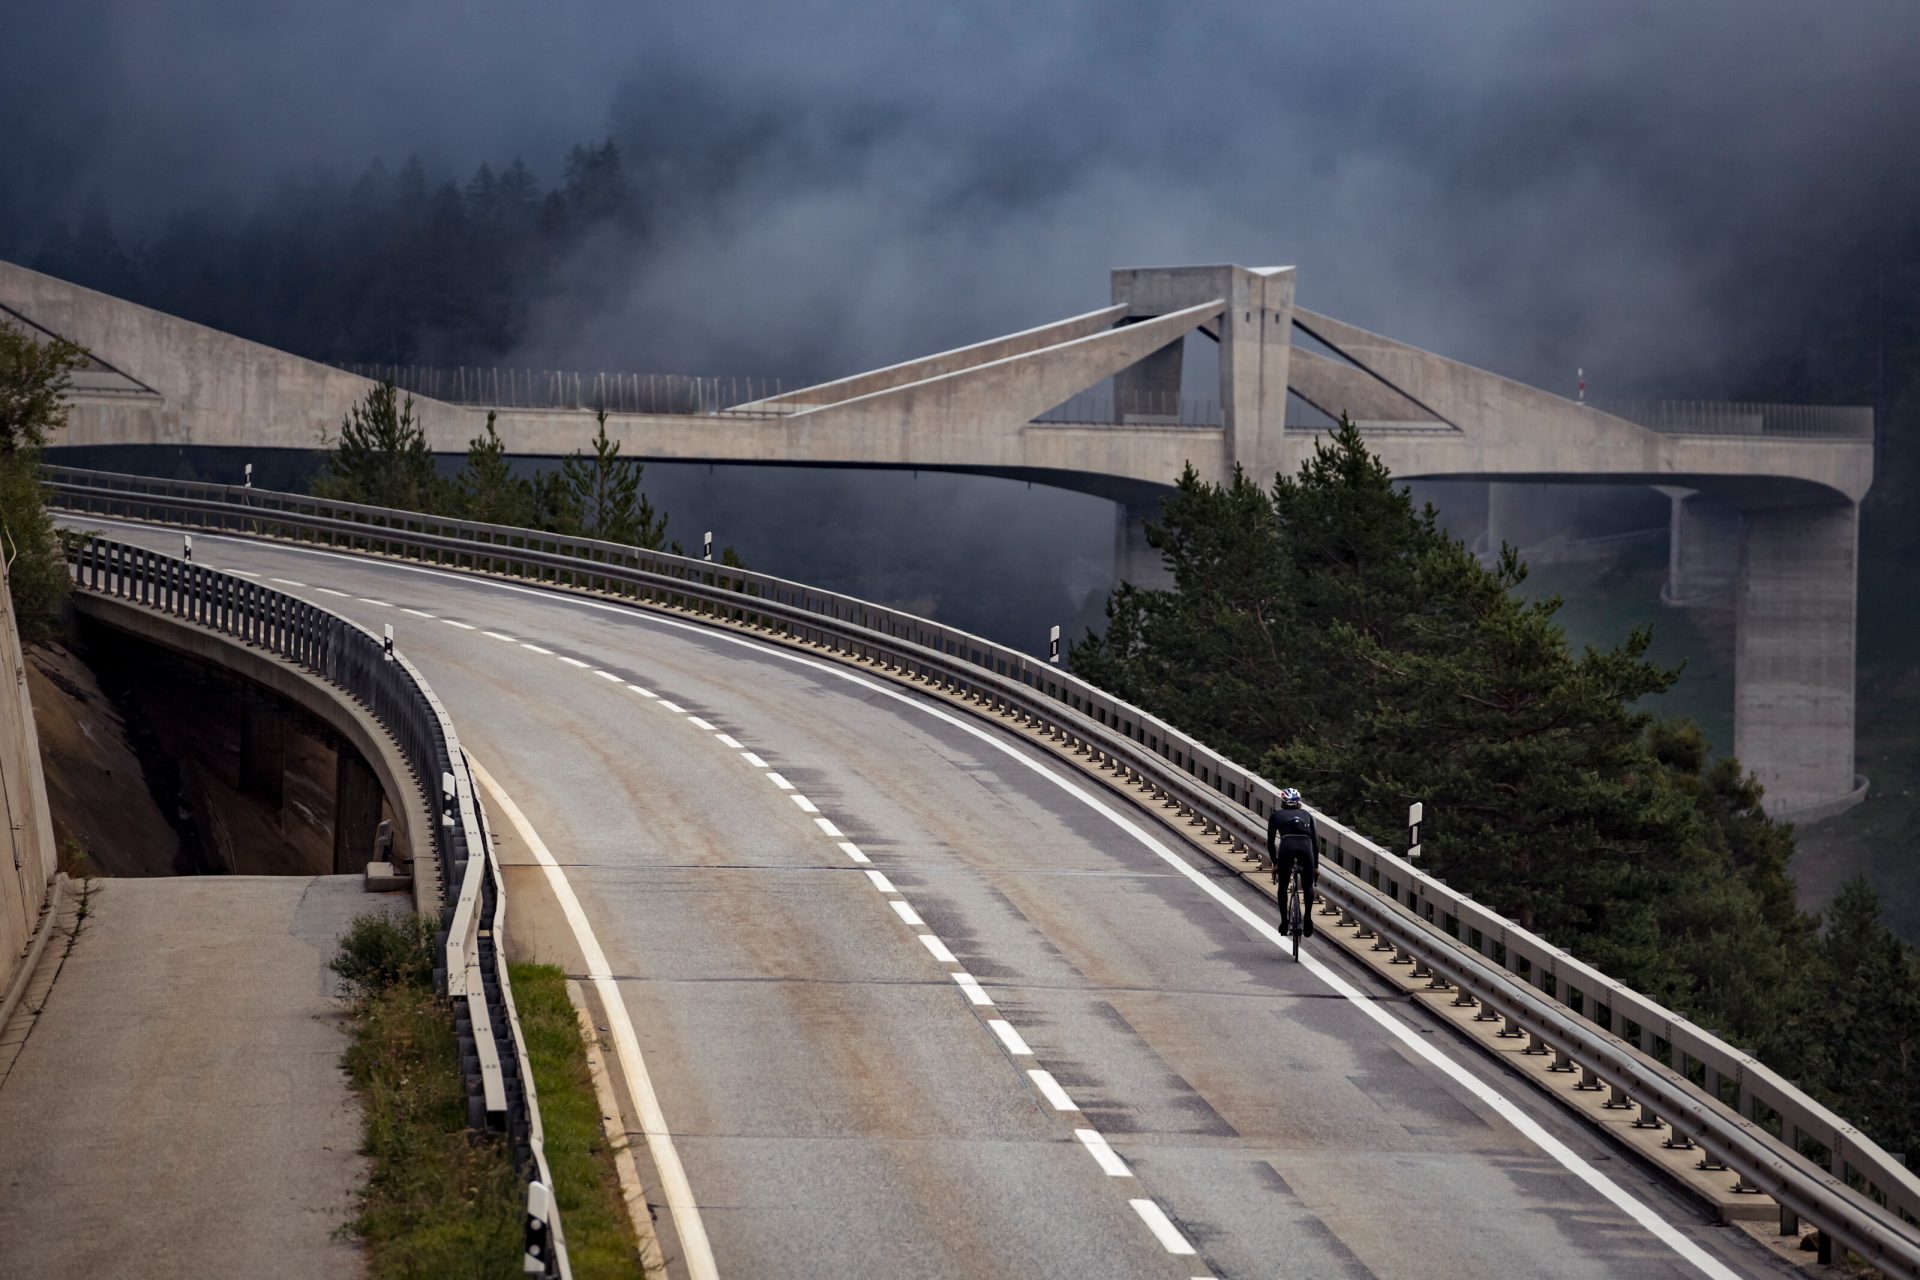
{"type": "Point", "coordinates": [1291, 831]}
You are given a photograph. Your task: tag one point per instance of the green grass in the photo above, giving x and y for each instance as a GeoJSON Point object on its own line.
{"type": "Point", "coordinates": [441, 1202]}
{"type": "Point", "coordinates": [600, 1239]}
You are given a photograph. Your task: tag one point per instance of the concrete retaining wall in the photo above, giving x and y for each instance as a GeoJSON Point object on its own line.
{"type": "Point", "coordinates": [29, 835]}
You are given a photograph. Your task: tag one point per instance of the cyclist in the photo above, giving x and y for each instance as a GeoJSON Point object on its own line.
{"type": "Point", "coordinates": [1291, 836]}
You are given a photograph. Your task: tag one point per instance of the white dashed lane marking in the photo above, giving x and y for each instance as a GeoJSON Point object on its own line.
{"type": "Point", "coordinates": [828, 829]}
{"type": "Point", "coordinates": [907, 913]}
{"type": "Point", "coordinates": [574, 662]}
{"type": "Point", "coordinates": [940, 952]}
{"type": "Point", "coordinates": [608, 675]}
{"type": "Point", "coordinates": [881, 882]}
{"type": "Point", "coordinates": [677, 710]}
{"type": "Point", "coordinates": [464, 626]}
{"type": "Point", "coordinates": [1110, 1164]}
{"type": "Point", "coordinates": [1050, 1090]}
{"type": "Point", "coordinates": [778, 781]}
{"type": "Point", "coordinates": [370, 600]}
{"type": "Point", "coordinates": [698, 723]}
{"type": "Point", "coordinates": [1016, 1045]}
{"type": "Point", "coordinates": [968, 983]}
{"type": "Point", "coordinates": [495, 635]}
{"type": "Point", "coordinates": [418, 613]}
{"type": "Point", "coordinates": [329, 591]}
{"type": "Point", "coordinates": [533, 648]}
{"type": "Point", "coordinates": [753, 759]}
{"type": "Point", "coordinates": [806, 805]}
{"type": "Point", "coordinates": [852, 850]}
{"type": "Point", "coordinates": [1164, 1231]}
{"type": "Point", "coordinates": [645, 693]}
{"type": "Point", "coordinates": [726, 740]}
{"type": "Point", "coordinates": [288, 582]}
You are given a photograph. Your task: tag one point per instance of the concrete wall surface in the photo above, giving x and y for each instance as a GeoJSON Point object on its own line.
{"type": "Point", "coordinates": [25, 876]}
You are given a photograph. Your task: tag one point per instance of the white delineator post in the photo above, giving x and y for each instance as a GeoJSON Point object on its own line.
{"type": "Point", "coordinates": [1415, 812]}
{"type": "Point", "coordinates": [707, 554]}
{"type": "Point", "coordinates": [1053, 646]}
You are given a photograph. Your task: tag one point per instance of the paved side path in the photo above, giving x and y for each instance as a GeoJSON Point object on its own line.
{"type": "Point", "coordinates": [178, 1108]}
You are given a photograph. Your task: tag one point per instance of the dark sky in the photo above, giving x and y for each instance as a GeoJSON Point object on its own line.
{"type": "Point", "coordinates": [1633, 187]}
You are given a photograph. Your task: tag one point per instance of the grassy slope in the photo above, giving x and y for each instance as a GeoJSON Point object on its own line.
{"type": "Point", "coordinates": [439, 1203]}
{"type": "Point", "coordinates": [600, 1241]}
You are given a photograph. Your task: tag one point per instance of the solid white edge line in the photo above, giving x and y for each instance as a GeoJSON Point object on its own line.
{"type": "Point", "coordinates": [884, 885]}
{"type": "Point", "coordinates": [1050, 1090]}
{"type": "Point", "coordinates": [971, 985]}
{"type": "Point", "coordinates": [826, 826]}
{"type": "Point", "coordinates": [697, 1251]}
{"type": "Point", "coordinates": [1662, 1230]}
{"type": "Point", "coordinates": [727, 740]}
{"type": "Point", "coordinates": [907, 913]}
{"type": "Point", "coordinates": [852, 850]}
{"type": "Point", "coordinates": [1162, 1227]}
{"type": "Point", "coordinates": [1015, 1042]}
{"type": "Point", "coordinates": [1103, 1155]}
{"type": "Point", "coordinates": [753, 759]}
{"type": "Point", "coordinates": [806, 805]}
{"type": "Point", "coordinates": [779, 781]}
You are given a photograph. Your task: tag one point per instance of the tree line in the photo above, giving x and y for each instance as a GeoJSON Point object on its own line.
{"type": "Point", "coordinates": [1331, 633]}
{"type": "Point", "coordinates": [388, 268]}
{"type": "Point", "coordinates": [381, 457]}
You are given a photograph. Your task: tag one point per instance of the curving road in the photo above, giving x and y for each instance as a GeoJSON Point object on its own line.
{"type": "Point", "coordinates": [914, 998]}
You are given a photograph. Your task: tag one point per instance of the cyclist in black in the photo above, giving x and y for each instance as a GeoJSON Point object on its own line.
{"type": "Point", "coordinates": [1291, 836]}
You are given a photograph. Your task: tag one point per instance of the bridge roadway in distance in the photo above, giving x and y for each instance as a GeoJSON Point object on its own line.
{"type": "Point", "coordinates": [839, 1103]}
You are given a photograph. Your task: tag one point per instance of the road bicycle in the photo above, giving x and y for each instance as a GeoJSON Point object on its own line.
{"type": "Point", "coordinates": [1293, 903]}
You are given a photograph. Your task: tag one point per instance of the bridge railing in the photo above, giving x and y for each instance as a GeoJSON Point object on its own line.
{"type": "Point", "coordinates": [505, 388]}
{"type": "Point", "coordinates": [1736, 418]}
{"type": "Point", "coordinates": [1742, 1114]}
{"type": "Point", "coordinates": [472, 968]}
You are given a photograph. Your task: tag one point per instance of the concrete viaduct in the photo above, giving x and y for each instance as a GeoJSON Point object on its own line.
{"type": "Point", "coordinates": [1766, 499]}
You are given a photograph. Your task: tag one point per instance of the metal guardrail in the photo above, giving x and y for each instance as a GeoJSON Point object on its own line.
{"type": "Point", "coordinates": [1742, 1113]}
{"type": "Point", "coordinates": [1731, 418]}
{"type": "Point", "coordinates": [493, 1056]}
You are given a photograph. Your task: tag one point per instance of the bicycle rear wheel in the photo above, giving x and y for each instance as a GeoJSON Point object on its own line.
{"type": "Point", "coordinates": [1296, 911]}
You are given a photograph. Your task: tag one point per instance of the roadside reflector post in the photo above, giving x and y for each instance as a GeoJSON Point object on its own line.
{"type": "Point", "coordinates": [247, 480]}
{"type": "Point", "coordinates": [1053, 646]}
{"type": "Point", "coordinates": [1415, 812]}
{"type": "Point", "coordinates": [708, 553]}
{"type": "Point", "coordinates": [187, 541]}
{"type": "Point", "coordinates": [446, 799]}
{"type": "Point", "coordinates": [387, 641]}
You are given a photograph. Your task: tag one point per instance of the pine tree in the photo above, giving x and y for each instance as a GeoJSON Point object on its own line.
{"type": "Point", "coordinates": [605, 490]}
{"type": "Point", "coordinates": [381, 456]}
{"type": "Point", "coordinates": [486, 488]}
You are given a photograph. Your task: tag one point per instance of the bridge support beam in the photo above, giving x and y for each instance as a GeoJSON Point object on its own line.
{"type": "Point", "coordinates": [356, 812]}
{"type": "Point", "coordinates": [1136, 560]}
{"type": "Point", "coordinates": [1703, 548]}
{"type": "Point", "coordinates": [1794, 656]}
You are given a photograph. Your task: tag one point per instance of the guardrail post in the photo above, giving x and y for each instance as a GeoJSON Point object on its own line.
{"type": "Point", "coordinates": [1618, 1101]}
{"type": "Point", "coordinates": [1677, 1141]}
{"type": "Point", "coordinates": [1647, 1119]}
{"type": "Point", "coordinates": [1589, 1082]}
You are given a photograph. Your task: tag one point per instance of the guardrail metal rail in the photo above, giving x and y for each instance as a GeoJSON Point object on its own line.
{"type": "Point", "coordinates": [472, 969]}
{"type": "Point", "coordinates": [1742, 1114]}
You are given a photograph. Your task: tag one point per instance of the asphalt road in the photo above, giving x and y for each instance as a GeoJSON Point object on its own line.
{"type": "Point", "coordinates": [843, 1104]}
